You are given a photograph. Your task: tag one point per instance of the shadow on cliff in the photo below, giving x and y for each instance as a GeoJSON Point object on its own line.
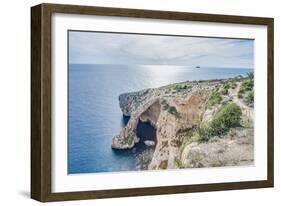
{"type": "Point", "coordinates": [125, 120]}
{"type": "Point", "coordinates": [145, 131]}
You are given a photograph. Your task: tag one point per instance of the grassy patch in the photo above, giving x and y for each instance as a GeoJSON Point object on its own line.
{"type": "Point", "coordinates": [180, 87]}
{"type": "Point", "coordinates": [227, 117]}
{"type": "Point", "coordinates": [249, 98]}
{"type": "Point", "coordinates": [240, 95]}
{"type": "Point", "coordinates": [215, 98]}
{"type": "Point", "coordinates": [246, 91]}
{"type": "Point", "coordinates": [179, 163]}
{"type": "Point", "coordinates": [225, 89]}
{"type": "Point", "coordinates": [173, 110]}
{"type": "Point", "coordinates": [247, 85]}
{"type": "Point", "coordinates": [226, 86]}
{"type": "Point", "coordinates": [250, 75]}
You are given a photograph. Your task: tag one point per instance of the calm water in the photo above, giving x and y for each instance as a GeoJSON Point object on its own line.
{"type": "Point", "coordinates": [95, 116]}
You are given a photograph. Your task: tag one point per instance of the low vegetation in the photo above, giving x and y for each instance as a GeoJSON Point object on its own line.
{"type": "Point", "coordinates": [246, 91]}
{"type": "Point", "coordinates": [215, 98]}
{"type": "Point", "coordinates": [225, 89]}
{"type": "Point", "coordinates": [249, 98]}
{"type": "Point", "coordinates": [228, 116]}
{"type": "Point", "coordinates": [247, 85]}
{"type": "Point", "coordinates": [171, 109]}
{"type": "Point", "coordinates": [179, 87]}
{"type": "Point", "coordinates": [226, 86]}
{"type": "Point", "coordinates": [179, 163]}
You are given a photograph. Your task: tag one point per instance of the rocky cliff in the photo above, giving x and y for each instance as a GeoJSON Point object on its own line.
{"type": "Point", "coordinates": [180, 113]}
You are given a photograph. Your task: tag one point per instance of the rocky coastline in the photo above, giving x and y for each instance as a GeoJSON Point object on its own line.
{"type": "Point", "coordinates": [188, 119]}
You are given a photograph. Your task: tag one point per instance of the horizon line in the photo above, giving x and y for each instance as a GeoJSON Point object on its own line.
{"type": "Point", "coordinates": [161, 65]}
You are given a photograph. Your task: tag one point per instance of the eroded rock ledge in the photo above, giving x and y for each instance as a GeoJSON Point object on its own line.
{"type": "Point", "coordinates": [170, 109]}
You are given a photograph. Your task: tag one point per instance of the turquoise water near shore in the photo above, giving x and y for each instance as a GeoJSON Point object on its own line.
{"type": "Point", "coordinates": [95, 116]}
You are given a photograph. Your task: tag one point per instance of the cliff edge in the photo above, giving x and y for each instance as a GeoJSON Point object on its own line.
{"type": "Point", "coordinates": [198, 123]}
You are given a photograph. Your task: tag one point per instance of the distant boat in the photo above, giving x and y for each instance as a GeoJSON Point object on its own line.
{"type": "Point", "coordinates": [197, 67]}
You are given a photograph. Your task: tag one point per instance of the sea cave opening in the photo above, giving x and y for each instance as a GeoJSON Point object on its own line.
{"type": "Point", "coordinates": [146, 145]}
{"type": "Point", "coordinates": [145, 131]}
{"type": "Point", "coordinates": [147, 134]}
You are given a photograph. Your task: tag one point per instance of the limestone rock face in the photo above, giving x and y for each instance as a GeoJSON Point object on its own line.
{"type": "Point", "coordinates": [167, 113]}
{"type": "Point", "coordinates": [188, 114]}
{"type": "Point", "coordinates": [127, 137]}
{"type": "Point", "coordinates": [174, 109]}
{"type": "Point", "coordinates": [129, 102]}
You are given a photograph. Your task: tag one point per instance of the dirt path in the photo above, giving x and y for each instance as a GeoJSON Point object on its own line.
{"type": "Point", "coordinates": [246, 110]}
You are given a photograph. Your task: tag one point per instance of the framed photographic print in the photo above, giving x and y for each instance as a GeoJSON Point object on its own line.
{"type": "Point", "coordinates": [130, 102]}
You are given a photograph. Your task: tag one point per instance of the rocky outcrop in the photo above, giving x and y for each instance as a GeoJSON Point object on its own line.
{"type": "Point", "coordinates": [167, 111]}
{"type": "Point", "coordinates": [129, 102]}
{"type": "Point", "coordinates": [236, 148]}
{"type": "Point", "coordinates": [127, 137]}
{"type": "Point", "coordinates": [171, 110]}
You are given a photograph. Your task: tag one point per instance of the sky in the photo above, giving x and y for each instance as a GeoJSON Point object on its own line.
{"type": "Point", "coordinates": [137, 49]}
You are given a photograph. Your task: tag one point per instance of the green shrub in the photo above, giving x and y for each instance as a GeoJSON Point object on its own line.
{"type": "Point", "coordinates": [246, 91]}
{"type": "Point", "coordinates": [249, 97]}
{"type": "Point", "coordinates": [188, 134]}
{"type": "Point", "coordinates": [250, 75]}
{"type": "Point", "coordinates": [203, 133]}
{"type": "Point", "coordinates": [179, 163]}
{"type": "Point", "coordinates": [241, 93]}
{"type": "Point", "coordinates": [247, 85]}
{"type": "Point", "coordinates": [224, 92]}
{"type": "Point", "coordinates": [173, 110]}
{"type": "Point", "coordinates": [226, 86]}
{"type": "Point", "coordinates": [170, 109]}
{"type": "Point", "coordinates": [227, 117]}
{"type": "Point", "coordinates": [198, 134]}
{"type": "Point", "coordinates": [217, 88]}
{"type": "Point", "coordinates": [179, 87]}
{"type": "Point", "coordinates": [215, 98]}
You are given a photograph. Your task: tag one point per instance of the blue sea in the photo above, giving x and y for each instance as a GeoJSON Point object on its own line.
{"type": "Point", "coordinates": [95, 116]}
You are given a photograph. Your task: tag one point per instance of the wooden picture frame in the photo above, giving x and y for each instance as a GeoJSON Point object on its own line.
{"type": "Point", "coordinates": [41, 98]}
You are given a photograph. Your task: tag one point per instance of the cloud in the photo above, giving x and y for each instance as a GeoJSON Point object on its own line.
{"type": "Point", "coordinates": [117, 48]}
